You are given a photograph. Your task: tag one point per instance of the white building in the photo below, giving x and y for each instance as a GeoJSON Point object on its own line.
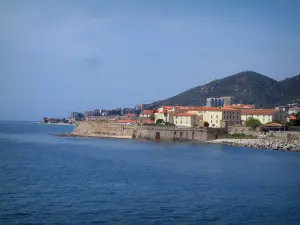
{"type": "Point", "coordinates": [185, 119]}
{"type": "Point", "coordinates": [217, 116]}
{"type": "Point", "coordinates": [293, 110]}
{"type": "Point", "coordinates": [146, 113]}
{"type": "Point", "coordinates": [263, 115]}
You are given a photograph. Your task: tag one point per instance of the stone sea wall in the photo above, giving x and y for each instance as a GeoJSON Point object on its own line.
{"type": "Point", "coordinates": [164, 133]}
{"type": "Point", "coordinates": [103, 129]}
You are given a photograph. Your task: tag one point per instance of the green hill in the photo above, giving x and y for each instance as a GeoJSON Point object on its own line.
{"type": "Point", "coordinates": [247, 87]}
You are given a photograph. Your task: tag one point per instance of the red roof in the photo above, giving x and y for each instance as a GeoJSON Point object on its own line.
{"type": "Point", "coordinates": [206, 108]}
{"type": "Point", "coordinates": [183, 114]}
{"type": "Point", "coordinates": [147, 112]}
{"type": "Point", "coordinates": [292, 117]}
{"type": "Point", "coordinates": [258, 111]}
{"type": "Point", "coordinates": [148, 122]}
{"type": "Point", "coordinates": [241, 106]}
{"type": "Point", "coordinates": [130, 115]}
{"type": "Point", "coordinates": [168, 107]}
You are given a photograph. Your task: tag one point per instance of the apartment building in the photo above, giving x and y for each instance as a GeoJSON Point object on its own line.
{"type": "Point", "coordinates": [185, 119]}
{"type": "Point", "coordinates": [166, 113]}
{"type": "Point", "coordinates": [217, 116]}
{"type": "Point", "coordinates": [146, 113]}
{"type": "Point", "coordinates": [189, 115]}
{"type": "Point", "coordinates": [263, 115]}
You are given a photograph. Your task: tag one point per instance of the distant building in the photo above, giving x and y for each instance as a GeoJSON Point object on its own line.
{"type": "Point", "coordinates": [139, 107]}
{"type": "Point", "coordinates": [129, 115]}
{"type": "Point", "coordinates": [215, 116]}
{"type": "Point", "coordinates": [293, 110]}
{"type": "Point", "coordinates": [263, 115]}
{"type": "Point", "coordinates": [75, 115]}
{"type": "Point", "coordinates": [89, 113]}
{"type": "Point", "coordinates": [185, 119]}
{"type": "Point", "coordinates": [165, 113]}
{"type": "Point", "coordinates": [282, 114]}
{"type": "Point", "coordinates": [146, 113]}
{"type": "Point", "coordinates": [219, 102]}
{"type": "Point", "coordinates": [196, 116]}
{"type": "Point", "coordinates": [241, 106]}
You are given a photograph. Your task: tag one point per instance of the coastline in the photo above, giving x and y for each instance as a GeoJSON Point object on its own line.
{"type": "Point", "coordinates": [60, 124]}
{"type": "Point", "coordinates": [267, 144]}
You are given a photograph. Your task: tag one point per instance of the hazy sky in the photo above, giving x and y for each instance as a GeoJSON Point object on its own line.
{"type": "Point", "coordinates": [62, 56]}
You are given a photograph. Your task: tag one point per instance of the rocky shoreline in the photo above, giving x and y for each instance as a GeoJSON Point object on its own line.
{"type": "Point", "coordinates": [267, 143]}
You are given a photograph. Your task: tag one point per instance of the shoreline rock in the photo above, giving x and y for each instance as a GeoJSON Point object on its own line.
{"type": "Point", "coordinates": [267, 144]}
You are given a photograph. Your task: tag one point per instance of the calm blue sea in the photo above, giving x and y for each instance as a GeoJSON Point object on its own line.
{"type": "Point", "coordinates": [53, 180]}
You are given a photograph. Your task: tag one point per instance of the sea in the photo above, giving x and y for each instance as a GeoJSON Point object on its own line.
{"type": "Point", "coordinates": [45, 179]}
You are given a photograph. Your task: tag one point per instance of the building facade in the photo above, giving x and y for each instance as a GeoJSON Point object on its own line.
{"type": "Point", "coordinates": [217, 117]}
{"type": "Point", "coordinates": [219, 102]}
{"type": "Point", "coordinates": [185, 119]}
{"type": "Point", "coordinates": [146, 113]}
{"type": "Point", "coordinates": [263, 115]}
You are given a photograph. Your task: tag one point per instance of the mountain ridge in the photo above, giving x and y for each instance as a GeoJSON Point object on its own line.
{"type": "Point", "coordinates": [247, 87]}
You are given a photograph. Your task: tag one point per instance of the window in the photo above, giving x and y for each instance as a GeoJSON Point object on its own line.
{"type": "Point", "coordinates": [217, 116]}
{"type": "Point", "coordinates": [180, 122]}
{"type": "Point", "coordinates": [211, 121]}
{"type": "Point", "coordinates": [211, 116]}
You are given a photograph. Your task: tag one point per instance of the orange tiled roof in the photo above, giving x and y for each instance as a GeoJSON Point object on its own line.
{"type": "Point", "coordinates": [258, 111]}
{"type": "Point", "coordinates": [147, 112]}
{"type": "Point", "coordinates": [148, 122]}
{"type": "Point", "coordinates": [168, 107]}
{"type": "Point", "coordinates": [241, 106]}
{"type": "Point", "coordinates": [206, 108]}
{"type": "Point", "coordinates": [130, 115]}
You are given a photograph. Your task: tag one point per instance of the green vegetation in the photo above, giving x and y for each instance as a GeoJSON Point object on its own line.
{"type": "Point", "coordinates": [238, 136]}
{"type": "Point", "coordinates": [265, 92]}
{"type": "Point", "coordinates": [152, 117]}
{"type": "Point", "coordinates": [253, 123]}
{"type": "Point", "coordinates": [159, 122]}
{"type": "Point", "coordinates": [206, 124]}
{"type": "Point", "coordinates": [296, 122]}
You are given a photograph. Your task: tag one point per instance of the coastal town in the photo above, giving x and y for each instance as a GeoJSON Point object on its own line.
{"type": "Point", "coordinates": [221, 118]}
{"type": "Point", "coordinates": [217, 113]}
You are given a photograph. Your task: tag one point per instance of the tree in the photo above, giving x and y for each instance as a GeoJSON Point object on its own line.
{"type": "Point", "coordinates": [206, 124]}
{"type": "Point", "coordinates": [253, 123]}
{"type": "Point", "coordinates": [159, 121]}
{"type": "Point", "coordinates": [152, 117]}
{"type": "Point", "coordinates": [296, 122]}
